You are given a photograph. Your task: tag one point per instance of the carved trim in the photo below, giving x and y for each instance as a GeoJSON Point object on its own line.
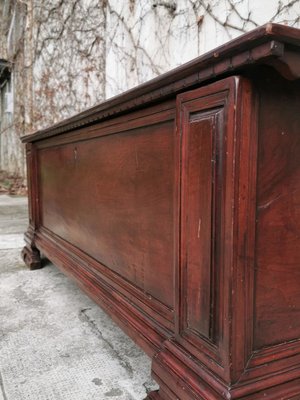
{"type": "Point", "coordinates": [277, 352]}
{"type": "Point", "coordinates": [182, 377]}
{"type": "Point", "coordinates": [266, 43]}
{"type": "Point", "coordinates": [288, 65]}
{"type": "Point", "coordinates": [151, 116]}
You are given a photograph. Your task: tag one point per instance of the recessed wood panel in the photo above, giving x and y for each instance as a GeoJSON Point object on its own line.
{"type": "Point", "coordinates": [114, 198]}
{"type": "Point", "coordinates": [207, 132]}
{"type": "Point", "coordinates": [203, 131]}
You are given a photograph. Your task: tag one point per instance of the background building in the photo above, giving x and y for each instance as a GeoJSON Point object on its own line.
{"type": "Point", "coordinates": [59, 57]}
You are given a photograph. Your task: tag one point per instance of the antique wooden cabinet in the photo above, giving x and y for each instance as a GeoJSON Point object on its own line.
{"type": "Point", "coordinates": [176, 207]}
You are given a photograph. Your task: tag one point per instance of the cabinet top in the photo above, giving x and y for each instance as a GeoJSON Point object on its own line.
{"type": "Point", "coordinates": [272, 44]}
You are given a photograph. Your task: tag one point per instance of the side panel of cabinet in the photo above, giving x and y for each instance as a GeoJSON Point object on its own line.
{"type": "Point", "coordinates": [277, 308]}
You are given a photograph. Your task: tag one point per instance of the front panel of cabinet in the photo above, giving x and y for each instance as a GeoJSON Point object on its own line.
{"type": "Point", "coordinates": [114, 197]}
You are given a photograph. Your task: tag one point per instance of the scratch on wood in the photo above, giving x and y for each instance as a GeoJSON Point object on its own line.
{"type": "Point", "coordinates": [75, 154]}
{"type": "Point", "coordinates": [268, 203]}
{"type": "Point", "coordinates": [136, 158]}
{"type": "Point", "coordinates": [199, 228]}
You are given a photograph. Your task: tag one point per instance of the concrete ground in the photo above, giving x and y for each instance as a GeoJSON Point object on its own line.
{"type": "Point", "coordinates": [55, 343]}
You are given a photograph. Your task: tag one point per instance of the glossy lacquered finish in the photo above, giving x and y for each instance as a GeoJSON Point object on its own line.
{"type": "Point", "coordinates": [176, 207]}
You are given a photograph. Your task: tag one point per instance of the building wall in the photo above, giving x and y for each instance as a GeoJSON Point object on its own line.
{"type": "Point", "coordinates": [11, 49]}
{"type": "Point", "coordinates": [70, 55]}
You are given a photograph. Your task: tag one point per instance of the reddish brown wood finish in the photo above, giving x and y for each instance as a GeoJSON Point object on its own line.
{"type": "Point", "coordinates": [176, 207]}
{"type": "Point", "coordinates": [30, 253]}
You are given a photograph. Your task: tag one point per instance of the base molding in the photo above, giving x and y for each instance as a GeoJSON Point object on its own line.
{"type": "Point", "coordinates": [180, 380]}
{"type": "Point", "coordinates": [180, 376]}
{"type": "Point", "coordinates": [160, 395]}
{"type": "Point", "coordinates": [153, 396]}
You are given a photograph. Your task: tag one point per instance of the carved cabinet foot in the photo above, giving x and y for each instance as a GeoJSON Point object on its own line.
{"type": "Point", "coordinates": [31, 257]}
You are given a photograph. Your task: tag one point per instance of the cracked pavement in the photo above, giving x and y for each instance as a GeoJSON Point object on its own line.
{"type": "Point", "coordinates": [56, 343]}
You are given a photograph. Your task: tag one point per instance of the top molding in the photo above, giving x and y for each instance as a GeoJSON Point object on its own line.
{"type": "Point", "coordinates": [271, 44]}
